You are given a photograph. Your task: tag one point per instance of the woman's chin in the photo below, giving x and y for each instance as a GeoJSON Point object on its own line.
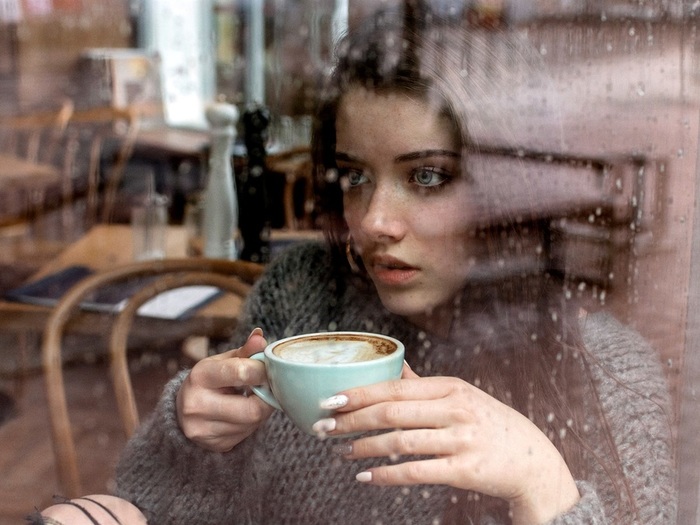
{"type": "Point", "coordinates": [415, 308]}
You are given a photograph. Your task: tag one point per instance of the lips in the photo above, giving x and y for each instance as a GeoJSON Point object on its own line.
{"type": "Point", "coordinates": [392, 271]}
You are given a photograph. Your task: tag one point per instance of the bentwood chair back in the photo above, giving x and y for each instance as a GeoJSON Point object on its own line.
{"type": "Point", "coordinates": [99, 146]}
{"type": "Point", "coordinates": [36, 136]}
{"type": "Point", "coordinates": [232, 276]}
{"type": "Point", "coordinates": [121, 380]}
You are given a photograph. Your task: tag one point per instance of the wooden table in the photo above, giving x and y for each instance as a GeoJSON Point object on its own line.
{"type": "Point", "coordinates": [106, 246]}
{"type": "Point", "coordinates": [166, 142]}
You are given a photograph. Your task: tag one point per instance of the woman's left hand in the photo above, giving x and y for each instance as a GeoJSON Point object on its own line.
{"type": "Point", "coordinates": [474, 441]}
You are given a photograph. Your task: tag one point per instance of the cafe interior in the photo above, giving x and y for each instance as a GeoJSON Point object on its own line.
{"type": "Point", "coordinates": [133, 133]}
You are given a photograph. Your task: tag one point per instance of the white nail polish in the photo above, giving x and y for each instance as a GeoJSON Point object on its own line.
{"type": "Point", "coordinates": [364, 477]}
{"type": "Point", "coordinates": [334, 402]}
{"type": "Point", "coordinates": [324, 425]}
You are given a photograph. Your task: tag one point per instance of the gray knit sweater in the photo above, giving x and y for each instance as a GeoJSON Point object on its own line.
{"type": "Point", "coordinates": [279, 475]}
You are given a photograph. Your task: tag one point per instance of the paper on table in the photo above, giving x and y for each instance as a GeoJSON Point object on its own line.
{"type": "Point", "coordinates": [172, 304]}
{"type": "Point", "coordinates": [177, 303]}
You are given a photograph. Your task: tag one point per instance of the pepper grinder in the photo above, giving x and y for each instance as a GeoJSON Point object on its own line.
{"type": "Point", "coordinates": [254, 205]}
{"type": "Point", "coordinates": [220, 202]}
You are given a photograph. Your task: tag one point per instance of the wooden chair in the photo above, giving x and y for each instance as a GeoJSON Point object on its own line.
{"type": "Point", "coordinates": [99, 140]}
{"type": "Point", "coordinates": [233, 276]}
{"type": "Point", "coordinates": [36, 136]}
{"type": "Point", "coordinates": [33, 143]}
{"type": "Point", "coordinates": [296, 166]}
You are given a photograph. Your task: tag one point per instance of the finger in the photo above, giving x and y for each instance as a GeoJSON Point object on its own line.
{"type": "Point", "coordinates": [255, 343]}
{"type": "Point", "coordinates": [215, 374]}
{"type": "Point", "coordinates": [429, 471]}
{"type": "Point", "coordinates": [401, 390]}
{"type": "Point", "coordinates": [213, 406]}
{"type": "Point", "coordinates": [397, 415]}
{"type": "Point", "coordinates": [424, 442]}
{"type": "Point", "coordinates": [407, 372]}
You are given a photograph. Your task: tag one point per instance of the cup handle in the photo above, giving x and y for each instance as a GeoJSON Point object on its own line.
{"type": "Point", "coordinates": [263, 391]}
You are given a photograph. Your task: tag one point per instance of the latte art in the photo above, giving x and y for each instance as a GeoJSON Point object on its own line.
{"type": "Point", "coordinates": [329, 351]}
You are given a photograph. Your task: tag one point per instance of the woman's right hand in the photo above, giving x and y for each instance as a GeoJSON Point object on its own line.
{"type": "Point", "coordinates": [212, 408]}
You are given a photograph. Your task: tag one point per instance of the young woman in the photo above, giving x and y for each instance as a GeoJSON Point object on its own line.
{"type": "Point", "coordinates": [514, 407]}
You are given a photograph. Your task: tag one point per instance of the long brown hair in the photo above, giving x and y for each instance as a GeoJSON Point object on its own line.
{"type": "Point", "coordinates": [524, 331]}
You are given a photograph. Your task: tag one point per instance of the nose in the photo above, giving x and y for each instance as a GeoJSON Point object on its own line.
{"type": "Point", "coordinates": [384, 214]}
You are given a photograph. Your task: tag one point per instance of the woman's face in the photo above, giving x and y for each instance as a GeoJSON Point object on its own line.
{"type": "Point", "coordinates": [406, 200]}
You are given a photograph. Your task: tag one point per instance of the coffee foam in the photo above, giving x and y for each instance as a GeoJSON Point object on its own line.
{"type": "Point", "coordinates": [330, 351]}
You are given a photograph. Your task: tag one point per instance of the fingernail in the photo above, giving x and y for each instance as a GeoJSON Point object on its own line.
{"type": "Point", "coordinates": [256, 331]}
{"type": "Point", "coordinates": [324, 425]}
{"type": "Point", "coordinates": [342, 449]}
{"type": "Point", "coordinates": [334, 402]}
{"type": "Point", "coordinates": [364, 477]}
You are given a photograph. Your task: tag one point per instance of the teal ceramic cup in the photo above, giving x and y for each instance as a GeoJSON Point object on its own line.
{"type": "Point", "coordinates": [304, 370]}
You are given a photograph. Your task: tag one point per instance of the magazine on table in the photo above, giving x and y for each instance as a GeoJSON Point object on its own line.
{"type": "Point", "coordinates": [178, 303]}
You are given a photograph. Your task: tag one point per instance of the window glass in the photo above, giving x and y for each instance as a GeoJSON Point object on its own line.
{"type": "Point", "coordinates": [543, 167]}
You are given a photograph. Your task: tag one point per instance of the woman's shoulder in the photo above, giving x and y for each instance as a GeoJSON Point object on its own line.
{"type": "Point", "coordinates": [303, 258]}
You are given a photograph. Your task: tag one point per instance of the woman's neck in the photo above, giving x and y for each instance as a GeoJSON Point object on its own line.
{"type": "Point", "coordinates": [436, 322]}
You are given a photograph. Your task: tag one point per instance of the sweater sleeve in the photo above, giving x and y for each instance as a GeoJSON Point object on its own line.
{"type": "Point", "coordinates": [173, 480]}
{"type": "Point", "coordinates": [636, 403]}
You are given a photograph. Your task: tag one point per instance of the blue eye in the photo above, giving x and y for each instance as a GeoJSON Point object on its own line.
{"type": "Point", "coordinates": [355, 177]}
{"type": "Point", "coordinates": [429, 177]}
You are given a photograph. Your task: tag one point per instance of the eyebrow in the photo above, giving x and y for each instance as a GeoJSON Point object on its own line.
{"type": "Point", "coordinates": [406, 156]}
{"type": "Point", "coordinates": [425, 154]}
